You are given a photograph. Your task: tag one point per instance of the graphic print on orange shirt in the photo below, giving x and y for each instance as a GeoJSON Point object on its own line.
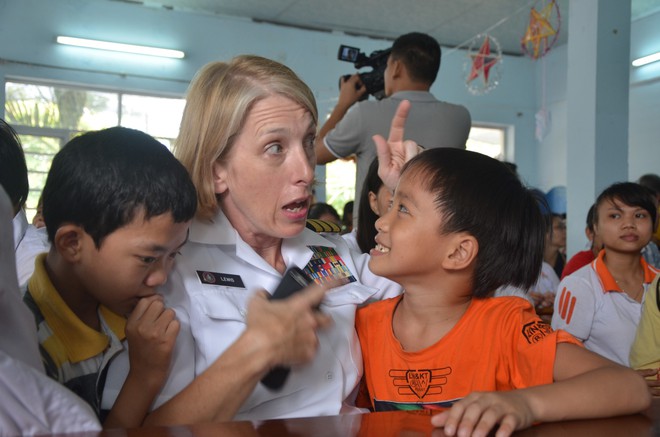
{"type": "Point", "coordinates": [419, 382]}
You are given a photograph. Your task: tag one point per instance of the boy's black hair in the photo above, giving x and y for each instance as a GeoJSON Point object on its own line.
{"type": "Point", "coordinates": [481, 196]}
{"type": "Point", "coordinates": [100, 180]}
{"type": "Point", "coordinates": [631, 194]}
{"type": "Point", "coordinates": [366, 221]}
{"type": "Point", "coordinates": [420, 53]}
{"type": "Point", "coordinates": [13, 170]}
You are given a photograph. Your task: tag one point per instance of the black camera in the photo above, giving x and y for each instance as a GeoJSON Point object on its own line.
{"type": "Point", "coordinates": [373, 80]}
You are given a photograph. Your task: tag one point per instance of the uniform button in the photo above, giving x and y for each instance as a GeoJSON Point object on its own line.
{"type": "Point", "coordinates": [329, 376]}
{"type": "Point", "coordinates": [243, 313]}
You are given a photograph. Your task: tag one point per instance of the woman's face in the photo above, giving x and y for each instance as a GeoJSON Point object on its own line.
{"type": "Point", "coordinates": [265, 180]}
{"type": "Point", "coordinates": [623, 228]}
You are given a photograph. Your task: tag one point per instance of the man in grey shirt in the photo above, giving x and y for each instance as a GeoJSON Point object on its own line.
{"type": "Point", "coordinates": [412, 67]}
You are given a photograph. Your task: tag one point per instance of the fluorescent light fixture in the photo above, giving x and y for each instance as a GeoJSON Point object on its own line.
{"type": "Point", "coordinates": [119, 47]}
{"type": "Point", "coordinates": [646, 59]}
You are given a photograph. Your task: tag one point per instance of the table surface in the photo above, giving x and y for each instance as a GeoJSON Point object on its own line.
{"type": "Point", "coordinates": [397, 423]}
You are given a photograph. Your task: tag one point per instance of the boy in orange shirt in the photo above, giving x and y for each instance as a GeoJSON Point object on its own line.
{"type": "Point", "coordinates": [461, 225]}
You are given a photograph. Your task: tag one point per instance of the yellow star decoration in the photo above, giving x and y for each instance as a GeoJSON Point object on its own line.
{"type": "Point", "coordinates": [539, 29]}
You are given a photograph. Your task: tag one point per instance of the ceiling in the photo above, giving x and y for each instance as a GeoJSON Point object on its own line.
{"type": "Point", "coordinates": [452, 22]}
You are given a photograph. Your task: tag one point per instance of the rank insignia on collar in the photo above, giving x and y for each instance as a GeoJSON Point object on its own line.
{"type": "Point", "coordinates": [221, 279]}
{"type": "Point", "coordinates": [321, 226]}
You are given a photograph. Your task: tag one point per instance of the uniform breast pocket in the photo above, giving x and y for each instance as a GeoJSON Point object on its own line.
{"type": "Point", "coordinates": [217, 320]}
{"type": "Point", "coordinates": [224, 304]}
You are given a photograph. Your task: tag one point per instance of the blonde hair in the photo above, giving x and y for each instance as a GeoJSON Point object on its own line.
{"type": "Point", "coordinates": [218, 102]}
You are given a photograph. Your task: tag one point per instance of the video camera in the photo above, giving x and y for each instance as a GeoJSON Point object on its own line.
{"type": "Point", "coordinates": [373, 80]}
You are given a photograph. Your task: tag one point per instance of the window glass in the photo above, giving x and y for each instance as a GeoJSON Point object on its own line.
{"type": "Point", "coordinates": [39, 152]}
{"type": "Point", "coordinates": [59, 107]}
{"type": "Point", "coordinates": [158, 116]}
{"type": "Point", "coordinates": [340, 183]}
{"type": "Point", "coordinates": [340, 174]}
{"type": "Point", "coordinates": [46, 116]}
{"type": "Point", "coordinates": [487, 140]}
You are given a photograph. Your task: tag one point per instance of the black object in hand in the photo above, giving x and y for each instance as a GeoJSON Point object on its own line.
{"type": "Point", "coordinates": [293, 281]}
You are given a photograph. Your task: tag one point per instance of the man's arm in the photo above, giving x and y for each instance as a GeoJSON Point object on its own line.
{"type": "Point", "coordinates": [350, 91]}
{"type": "Point", "coordinates": [277, 333]}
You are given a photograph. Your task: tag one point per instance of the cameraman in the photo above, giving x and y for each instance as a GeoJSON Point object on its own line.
{"type": "Point", "coordinates": [412, 67]}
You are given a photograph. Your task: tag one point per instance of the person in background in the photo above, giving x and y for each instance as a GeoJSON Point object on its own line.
{"type": "Point", "coordinates": [347, 217]}
{"type": "Point", "coordinates": [601, 303]}
{"type": "Point", "coordinates": [513, 167]}
{"type": "Point", "coordinates": [412, 67]}
{"type": "Point", "coordinates": [555, 247]}
{"type": "Point", "coordinates": [652, 182]}
{"type": "Point", "coordinates": [374, 201]}
{"type": "Point", "coordinates": [38, 219]}
{"type": "Point", "coordinates": [28, 240]}
{"type": "Point", "coordinates": [440, 242]}
{"type": "Point", "coordinates": [555, 244]}
{"type": "Point", "coordinates": [30, 402]}
{"type": "Point", "coordinates": [645, 350]}
{"type": "Point", "coordinates": [651, 251]}
{"type": "Point", "coordinates": [324, 212]}
{"type": "Point", "coordinates": [584, 257]}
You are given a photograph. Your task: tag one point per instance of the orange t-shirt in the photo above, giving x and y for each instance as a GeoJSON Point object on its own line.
{"type": "Point", "coordinates": [498, 344]}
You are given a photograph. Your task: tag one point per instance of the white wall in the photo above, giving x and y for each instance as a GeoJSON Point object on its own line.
{"type": "Point", "coordinates": [644, 109]}
{"type": "Point", "coordinates": [644, 125]}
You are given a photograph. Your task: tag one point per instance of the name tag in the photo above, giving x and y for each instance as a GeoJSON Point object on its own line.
{"type": "Point", "coordinates": [224, 279]}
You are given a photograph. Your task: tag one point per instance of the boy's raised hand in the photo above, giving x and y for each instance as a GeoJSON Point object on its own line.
{"type": "Point", "coordinates": [395, 151]}
{"type": "Point", "coordinates": [480, 412]}
{"type": "Point", "coordinates": [151, 332]}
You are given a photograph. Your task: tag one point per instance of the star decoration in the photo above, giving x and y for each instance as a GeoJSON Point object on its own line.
{"type": "Point", "coordinates": [482, 62]}
{"type": "Point", "coordinates": [539, 30]}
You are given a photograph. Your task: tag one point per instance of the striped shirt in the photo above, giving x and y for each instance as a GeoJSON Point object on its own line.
{"type": "Point", "coordinates": [73, 353]}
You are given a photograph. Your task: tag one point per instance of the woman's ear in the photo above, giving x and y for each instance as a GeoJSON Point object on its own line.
{"type": "Point", "coordinates": [463, 250]}
{"type": "Point", "coordinates": [69, 242]}
{"type": "Point", "coordinates": [219, 178]}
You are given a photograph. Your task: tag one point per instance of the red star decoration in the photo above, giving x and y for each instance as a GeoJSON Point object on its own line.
{"type": "Point", "coordinates": [482, 62]}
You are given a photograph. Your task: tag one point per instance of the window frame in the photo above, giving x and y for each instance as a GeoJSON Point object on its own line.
{"type": "Point", "coordinates": [64, 134]}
